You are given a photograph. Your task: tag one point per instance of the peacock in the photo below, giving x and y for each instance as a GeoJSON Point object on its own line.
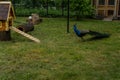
{"type": "Point", "coordinates": [96, 35]}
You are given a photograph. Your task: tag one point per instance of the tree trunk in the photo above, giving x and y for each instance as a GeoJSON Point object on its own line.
{"type": "Point", "coordinates": [62, 6]}
{"type": "Point", "coordinates": [26, 27]}
{"type": "Point", "coordinates": [47, 8]}
{"type": "Point", "coordinates": [78, 15]}
{"type": "Point", "coordinates": [5, 36]}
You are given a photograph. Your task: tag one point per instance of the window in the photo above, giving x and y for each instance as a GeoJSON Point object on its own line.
{"type": "Point", "coordinates": [101, 2]}
{"type": "Point", "coordinates": [111, 2]}
{"type": "Point", "coordinates": [0, 24]}
{"type": "Point", "coordinates": [10, 22]}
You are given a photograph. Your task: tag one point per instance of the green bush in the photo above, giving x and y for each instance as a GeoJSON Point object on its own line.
{"type": "Point", "coordinates": [20, 11]}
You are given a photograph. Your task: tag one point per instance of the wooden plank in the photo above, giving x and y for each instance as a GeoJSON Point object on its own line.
{"type": "Point", "coordinates": [25, 34]}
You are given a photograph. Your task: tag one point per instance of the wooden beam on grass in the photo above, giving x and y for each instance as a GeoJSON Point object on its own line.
{"type": "Point", "coordinates": [25, 34]}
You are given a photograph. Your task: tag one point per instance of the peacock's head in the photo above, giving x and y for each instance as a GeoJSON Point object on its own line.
{"type": "Point", "coordinates": [75, 27]}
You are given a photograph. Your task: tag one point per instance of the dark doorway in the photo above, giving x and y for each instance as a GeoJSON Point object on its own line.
{"type": "Point", "coordinates": [110, 12]}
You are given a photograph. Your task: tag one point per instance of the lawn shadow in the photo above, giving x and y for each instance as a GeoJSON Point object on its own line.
{"type": "Point", "coordinates": [99, 37]}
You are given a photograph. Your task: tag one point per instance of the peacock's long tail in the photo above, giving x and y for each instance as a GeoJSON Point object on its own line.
{"type": "Point", "coordinates": [94, 33]}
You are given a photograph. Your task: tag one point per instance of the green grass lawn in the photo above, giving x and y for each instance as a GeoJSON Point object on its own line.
{"type": "Point", "coordinates": [62, 55]}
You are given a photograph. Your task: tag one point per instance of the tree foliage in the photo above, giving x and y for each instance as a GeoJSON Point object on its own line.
{"type": "Point", "coordinates": [81, 8]}
{"type": "Point", "coordinates": [78, 7]}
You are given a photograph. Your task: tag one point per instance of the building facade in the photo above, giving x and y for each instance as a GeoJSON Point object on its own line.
{"type": "Point", "coordinates": [106, 8]}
